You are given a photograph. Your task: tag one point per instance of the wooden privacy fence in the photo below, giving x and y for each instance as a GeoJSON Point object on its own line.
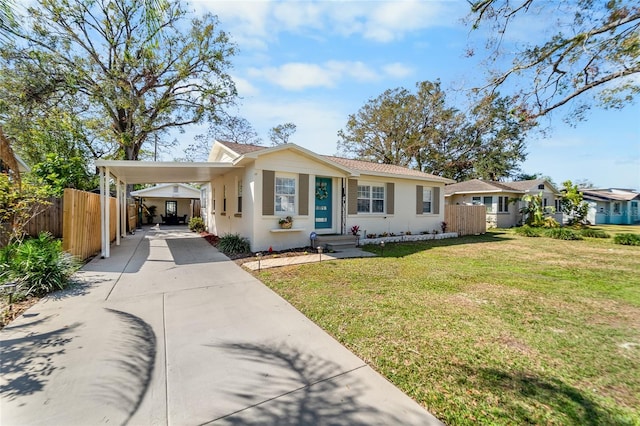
{"type": "Point", "coordinates": [81, 234]}
{"type": "Point", "coordinates": [465, 220]}
{"type": "Point", "coordinates": [49, 220]}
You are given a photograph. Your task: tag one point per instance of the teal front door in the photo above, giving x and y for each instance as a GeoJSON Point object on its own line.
{"type": "Point", "coordinates": [323, 198]}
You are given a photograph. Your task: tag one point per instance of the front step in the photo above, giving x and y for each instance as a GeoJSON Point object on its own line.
{"type": "Point", "coordinates": [337, 242]}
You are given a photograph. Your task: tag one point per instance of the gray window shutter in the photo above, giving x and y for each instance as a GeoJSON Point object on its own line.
{"type": "Point", "coordinates": [435, 202]}
{"type": "Point", "coordinates": [268, 192]}
{"type": "Point", "coordinates": [419, 199]}
{"type": "Point", "coordinates": [303, 197]}
{"type": "Point", "coordinates": [391, 197]}
{"type": "Point", "coordinates": [352, 196]}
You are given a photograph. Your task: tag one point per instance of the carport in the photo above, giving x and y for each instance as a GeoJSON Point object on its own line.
{"type": "Point", "coordinates": [124, 172]}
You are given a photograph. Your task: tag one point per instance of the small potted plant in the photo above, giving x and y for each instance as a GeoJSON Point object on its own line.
{"type": "Point", "coordinates": [286, 222]}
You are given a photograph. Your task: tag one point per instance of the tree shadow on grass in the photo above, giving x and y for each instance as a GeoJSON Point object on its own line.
{"type": "Point", "coordinates": [306, 390]}
{"type": "Point", "coordinates": [407, 248]}
{"type": "Point", "coordinates": [514, 387]}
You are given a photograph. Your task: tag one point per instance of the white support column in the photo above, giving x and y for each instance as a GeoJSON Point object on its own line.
{"type": "Point", "coordinates": [107, 212]}
{"type": "Point", "coordinates": [104, 236]}
{"type": "Point", "coordinates": [123, 213]}
{"type": "Point", "coordinates": [118, 210]}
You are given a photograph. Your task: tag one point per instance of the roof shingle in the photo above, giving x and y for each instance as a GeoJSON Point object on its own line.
{"type": "Point", "coordinates": [366, 166]}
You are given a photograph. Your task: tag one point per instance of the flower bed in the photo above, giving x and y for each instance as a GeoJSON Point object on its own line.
{"type": "Point", "coordinates": [403, 238]}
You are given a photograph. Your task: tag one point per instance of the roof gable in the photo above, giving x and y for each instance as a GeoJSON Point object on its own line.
{"type": "Point", "coordinates": [223, 151]}
{"type": "Point", "coordinates": [531, 185]}
{"type": "Point", "coordinates": [479, 186]}
{"type": "Point", "coordinates": [168, 190]}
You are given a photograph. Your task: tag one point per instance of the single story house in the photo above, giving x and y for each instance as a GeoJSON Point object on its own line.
{"type": "Point", "coordinates": [247, 189]}
{"type": "Point", "coordinates": [322, 194]}
{"type": "Point", "coordinates": [612, 206]}
{"type": "Point", "coordinates": [172, 201]}
{"type": "Point", "coordinates": [503, 200]}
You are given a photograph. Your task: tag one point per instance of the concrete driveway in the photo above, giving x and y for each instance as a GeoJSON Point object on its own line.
{"type": "Point", "coordinates": [169, 331]}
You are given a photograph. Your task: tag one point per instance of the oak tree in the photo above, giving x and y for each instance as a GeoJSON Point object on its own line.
{"type": "Point", "coordinates": [123, 79]}
{"type": "Point", "coordinates": [589, 52]}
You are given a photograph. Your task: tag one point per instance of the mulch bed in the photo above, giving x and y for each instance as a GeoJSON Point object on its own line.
{"type": "Point", "coordinates": [9, 313]}
{"type": "Point", "coordinates": [241, 258]}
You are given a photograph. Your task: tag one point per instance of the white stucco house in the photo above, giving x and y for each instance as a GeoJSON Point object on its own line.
{"type": "Point", "coordinates": [246, 189]}
{"type": "Point", "coordinates": [612, 206]}
{"type": "Point", "coordinates": [322, 194]}
{"type": "Point", "coordinates": [172, 201]}
{"type": "Point", "coordinates": [503, 200]}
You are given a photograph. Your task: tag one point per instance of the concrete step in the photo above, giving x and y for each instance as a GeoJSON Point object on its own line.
{"type": "Point", "coordinates": [337, 242]}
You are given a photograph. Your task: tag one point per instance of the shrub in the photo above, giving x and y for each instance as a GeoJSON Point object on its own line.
{"type": "Point", "coordinates": [196, 224]}
{"type": "Point", "coordinates": [234, 244]}
{"type": "Point", "coordinates": [528, 231]}
{"type": "Point", "coordinates": [627, 239]}
{"type": "Point", "coordinates": [594, 233]}
{"type": "Point", "coordinates": [562, 234]}
{"type": "Point", "coordinates": [550, 222]}
{"type": "Point", "coordinates": [39, 265]}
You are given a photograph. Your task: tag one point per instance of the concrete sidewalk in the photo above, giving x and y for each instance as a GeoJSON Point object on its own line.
{"type": "Point", "coordinates": [276, 261]}
{"type": "Point", "coordinates": [169, 331]}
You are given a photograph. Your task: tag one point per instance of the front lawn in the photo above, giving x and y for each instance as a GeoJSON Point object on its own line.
{"type": "Point", "coordinates": [492, 329]}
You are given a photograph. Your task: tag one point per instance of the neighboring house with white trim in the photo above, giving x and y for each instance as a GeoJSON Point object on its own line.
{"type": "Point", "coordinates": [503, 200]}
{"type": "Point", "coordinates": [171, 200]}
{"type": "Point", "coordinates": [323, 195]}
{"type": "Point", "coordinates": [612, 206]}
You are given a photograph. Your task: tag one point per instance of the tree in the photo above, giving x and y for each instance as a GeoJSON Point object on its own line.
{"type": "Point", "coordinates": [381, 131]}
{"type": "Point", "coordinates": [535, 211]}
{"type": "Point", "coordinates": [58, 173]}
{"type": "Point", "coordinates": [594, 50]}
{"type": "Point", "coordinates": [573, 203]}
{"type": "Point", "coordinates": [228, 128]}
{"type": "Point", "coordinates": [100, 61]}
{"type": "Point", "coordinates": [281, 133]}
{"type": "Point", "coordinates": [20, 199]}
{"type": "Point", "coordinates": [584, 184]}
{"type": "Point", "coordinates": [420, 130]}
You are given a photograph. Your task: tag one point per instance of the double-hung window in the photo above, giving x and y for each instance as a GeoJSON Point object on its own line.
{"type": "Point", "coordinates": [503, 204]}
{"type": "Point", "coordinates": [239, 209]}
{"type": "Point", "coordinates": [370, 199]}
{"type": "Point", "coordinates": [426, 200]}
{"type": "Point", "coordinates": [285, 192]}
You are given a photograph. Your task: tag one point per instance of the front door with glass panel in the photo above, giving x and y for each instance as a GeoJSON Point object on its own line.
{"type": "Point", "coordinates": [171, 208]}
{"type": "Point", "coordinates": [323, 196]}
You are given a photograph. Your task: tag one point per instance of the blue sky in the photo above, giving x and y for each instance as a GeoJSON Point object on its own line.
{"type": "Point", "coordinates": [314, 63]}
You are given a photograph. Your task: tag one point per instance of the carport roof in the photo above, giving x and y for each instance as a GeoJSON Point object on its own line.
{"type": "Point", "coordinates": [165, 172]}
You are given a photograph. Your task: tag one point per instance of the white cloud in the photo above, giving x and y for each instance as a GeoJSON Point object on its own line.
{"type": "Point", "coordinates": [300, 75]}
{"type": "Point", "coordinates": [253, 24]}
{"type": "Point", "coordinates": [397, 70]}
{"type": "Point", "coordinates": [244, 87]}
{"type": "Point", "coordinates": [316, 123]}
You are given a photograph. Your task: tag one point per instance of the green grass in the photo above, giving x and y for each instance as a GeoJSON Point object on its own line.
{"type": "Point", "coordinates": [493, 329]}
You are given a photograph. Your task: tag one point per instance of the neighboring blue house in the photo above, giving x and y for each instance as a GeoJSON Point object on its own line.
{"type": "Point", "coordinates": [612, 206]}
